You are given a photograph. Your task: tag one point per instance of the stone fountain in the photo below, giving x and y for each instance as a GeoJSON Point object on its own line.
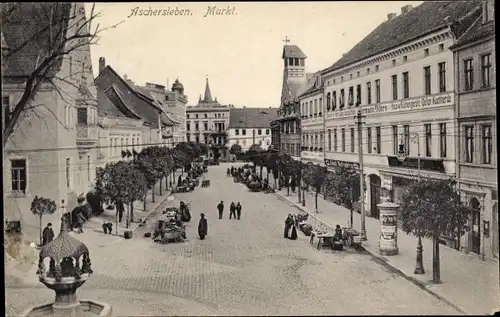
{"type": "Point", "coordinates": [64, 276]}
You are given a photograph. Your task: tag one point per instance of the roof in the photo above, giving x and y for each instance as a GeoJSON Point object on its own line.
{"type": "Point", "coordinates": [25, 28]}
{"type": "Point", "coordinates": [428, 17]}
{"type": "Point", "coordinates": [310, 85]}
{"type": "Point", "coordinates": [292, 51]}
{"type": "Point", "coordinates": [478, 31]}
{"type": "Point", "coordinates": [251, 117]}
{"type": "Point", "coordinates": [128, 97]}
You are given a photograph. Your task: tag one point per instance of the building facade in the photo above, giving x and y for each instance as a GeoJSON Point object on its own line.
{"type": "Point", "coordinates": [402, 84]}
{"type": "Point", "coordinates": [129, 118]}
{"type": "Point", "coordinates": [51, 152]}
{"type": "Point", "coordinates": [248, 126]}
{"type": "Point", "coordinates": [207, 123]}
{"type": "Point", "coordinates": [294, 81]}
{"type": "Point", "coordinates": [312, 123]}
{"type": "Point", "coordinates": [173, 101]}
{"type": "Point", "coordinates": [476, 140]}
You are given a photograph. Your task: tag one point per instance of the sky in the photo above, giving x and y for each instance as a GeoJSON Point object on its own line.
{"type": "Point", "coordinates": [240, 53]}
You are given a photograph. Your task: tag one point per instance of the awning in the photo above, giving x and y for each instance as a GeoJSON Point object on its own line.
{"type": "Point", "coordinates": [412, 174]}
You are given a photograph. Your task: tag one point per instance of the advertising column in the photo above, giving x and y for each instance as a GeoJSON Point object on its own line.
{"type": "Point", "coordinates": [388, 242]}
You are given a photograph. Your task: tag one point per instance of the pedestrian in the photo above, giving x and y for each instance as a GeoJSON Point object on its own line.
{"type": "Point", "coordinates": [47, 234]}
{"type": "Point", "coordinates": [232, 210]}
{"type": "Point", "coordinates": [120, 208]}
{"type": "Point", "coordinates": [220, 208]}
{"type": "Point", "coordinates": [202, 227]}
{"type": "Point", "coordinates": [238, 210]}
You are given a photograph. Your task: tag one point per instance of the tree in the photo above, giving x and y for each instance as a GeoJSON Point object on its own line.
{"type": "Point", "coordinates": [316, 176]}
{"type": "Point", "coordinates": [432, 208]}
{"type": "Point", "coordinates": [42, 206]}
{"type": "Point", "coordinates": [235, 149]}
{"type": "Point", "coordinates": [42, 35]}
{"type": "Point", "coordinates": [289, 168]}
{"type": "Point", "coordinates": [254, 155]}
{"type": "Point", "coordinates": [145, 165]}
{"type": "Point", "coordinates": [121, 182]}
{"type": "Point", "coordinates": [344, 183]}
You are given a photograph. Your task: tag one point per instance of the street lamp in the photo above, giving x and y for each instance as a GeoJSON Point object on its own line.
{"type": "Point", "coordinates": [415, 138]}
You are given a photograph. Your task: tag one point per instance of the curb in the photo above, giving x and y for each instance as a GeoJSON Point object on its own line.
{"type": "Point", "coordinates": [384, 261]}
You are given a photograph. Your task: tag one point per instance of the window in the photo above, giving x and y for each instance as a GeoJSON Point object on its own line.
{"type": "Point", "coordinates": [394, 87]}
{"type": "Point", "coordinates": [369, 139]}
{"type": "Point", "coordinates": [196, 126]}
{"type": "Point", "coordinates": [196, 116]}
{"type": "Point", "coordinates": [379, 140]}
{"type": "Point", "coordinates": [6, 109]}
{"type": "Point", "coordinates": [357, 74]}
{"type": "Point", "coordinates": [441, 47]}
{"type": "Point", "coordinates": [187, 116]}
{"type": "Point", "coordinates": [267, 131]}
{"type": "Point", "coordinates": [369, 92]}
{"type": "Point", "coordinates": [206, 115]}
{"type": "Point", "coordinates": [243, 132]}
{"type": "Point", "coordinates": [236, 132]}
{"type": "Point", "coordinates": [442, 76]}
{"type": "Point", "coordinates": [351, 96]}
{"type": "Point", "coordinates": [197, 139]}
{"type": "Point", "coordinates": [205, 126]}
{"type": "Point", "coordinates": [428, 140]}
{"type": "Point", "coordinates": [341, 99]}
{"type": "Point", "coordinates": [335, 140]}
{"type": "Point", "coordinates": [487, 144]}
{"type": "Point", "coordinates": [81, 116]}
{"type": "Point", "coordinates": [188, 126]}
{"type": "Point", "coordinates": [469, 75]}
{"type": "Point", "coordinates": [68, 166]}
{"type": "Point", "coordinates": [334, 100]}
{"type": "Point", "coordinates": [328, 100]}
{"type": "Point", "coordinates": [426, 52]}
{"type": "Point", "coordinates": [259, 132]}
{"type": "Point", "coordinates": [353, 144]}
{"type": "Point", "coordinates": [442, 139]}
{"type": "Point", "coordinates": [406, 133]}
{"type": "Point", "coordinates": [406, 85]}
{"type": "Point", "coordinates": [343, 139]}
{"type": "Point", "coordinates": [393, 62]}
{"type": "Point", "coordinates": [320, 106]}
{"type": "Point", "coordinates": [367, 71]}
{"type": "Point", "coordinates": [469, 144]}
{"type": "Point", "coordinates": [329, 139]}
{"type": "Point", "coordinates": [377, 91]}
{"type": "Point", "coordinates": [486, 70]}
{"type": "Point", "coordinates": [18, 171]}
{"type": "Point", "coordinates": [350, 76]}
{"type": "Point", "coordinates": [395, 139]}
{"type": "Point", "coordinates": [376, 68]}
{"type": "Point", "coordinates": [358, 95]}
{"type": "Point", "coordinates": [427, 80]}
{"type": "Point", "coordinates": [405, 59]}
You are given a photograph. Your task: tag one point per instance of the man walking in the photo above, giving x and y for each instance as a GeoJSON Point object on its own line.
{"type": "Point", "coordinates": [238, 210]}
{"type": "Point", "coordinates": [220, 208]}
{"type": "Point", "coordinates": [47, 234]}
{"type": "Point", "coordinates": [232, 210]}
{"type": "Point", "coordinates": [202, 227]}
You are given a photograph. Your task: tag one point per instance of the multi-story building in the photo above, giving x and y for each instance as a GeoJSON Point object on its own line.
{"type": "Point", "coordinates": [312, 123]}
{"type": "Point", "coordinates": [248, 126]}
{"type": "Point", "coordinates": [173, 101]}
{"type": "Point", "coordinates": [207, 123]}
{"type": "Point", "coordinates": [294, 81]}
{"type": "Point", "coordinates": [129, 118]}
{"type": "Point", "coordinates": [402, 83]}
{"type": "Point", "coordinates": [51, 152]}
{"type": "Point", "coordinates": [475, 83]}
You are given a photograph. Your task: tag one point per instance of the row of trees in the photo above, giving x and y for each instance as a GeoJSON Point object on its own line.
{"type": "Point", "coordinates": [430, 207]}
{"type": "Point", "coordinates": [125, 182]}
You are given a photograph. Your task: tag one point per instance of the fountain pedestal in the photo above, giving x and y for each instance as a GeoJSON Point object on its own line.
{"type": "Point", "coordinates": [69, 268]}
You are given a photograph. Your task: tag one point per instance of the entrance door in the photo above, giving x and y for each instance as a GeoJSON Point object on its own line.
{"type": "Point", "coordinates": [375, 185]}
{"type": "Point", "coordinates": [476, 226]}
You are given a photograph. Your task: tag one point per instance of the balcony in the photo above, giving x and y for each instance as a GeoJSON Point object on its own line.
{"type": "Point", "coordinates": [86, 137]}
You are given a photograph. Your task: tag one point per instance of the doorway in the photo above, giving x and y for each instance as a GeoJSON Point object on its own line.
{"type": "Point", "coordinates": [375, 185]}
{"type": "Point", "coordinates": [476, 226]}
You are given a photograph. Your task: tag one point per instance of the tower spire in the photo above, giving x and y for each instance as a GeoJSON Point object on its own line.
{"type": "Point", "coordinates": [208, 95]}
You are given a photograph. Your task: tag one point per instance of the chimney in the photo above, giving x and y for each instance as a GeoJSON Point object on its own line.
{"type": "Point", "coordinates": [102, 64]}
{"type": "Point", "coordinates": [391, 16]}
{"type": "Point", "coordinates": [406, 9]}
{"type": "Point", "coordinates": [488, 11]}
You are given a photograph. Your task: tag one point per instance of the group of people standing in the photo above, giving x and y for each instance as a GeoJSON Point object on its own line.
{"type": "Point", "coordinates": [290, 228]}
{"type": "Point", "coordinates": [234, 210]}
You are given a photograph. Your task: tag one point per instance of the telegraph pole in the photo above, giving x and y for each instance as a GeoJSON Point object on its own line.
{"type": "Point", "coordinates": [253, 136]}
{"type": "Point", "coordinates": [361, 176]}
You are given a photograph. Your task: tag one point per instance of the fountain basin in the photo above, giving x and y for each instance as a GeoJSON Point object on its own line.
{"type": "Point", "coordinates": [86, 308]}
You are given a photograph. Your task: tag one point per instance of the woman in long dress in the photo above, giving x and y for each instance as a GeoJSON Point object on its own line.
{"type": "Point", "coordinates": [292, 231]}
{"type": "Point", "coordinates": [202, 227]}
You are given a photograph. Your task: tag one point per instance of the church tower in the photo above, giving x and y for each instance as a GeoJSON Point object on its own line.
{"type": "Point", "coordinates": [294, 73]}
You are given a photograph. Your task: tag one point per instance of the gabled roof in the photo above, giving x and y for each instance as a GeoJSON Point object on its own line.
{"type": "Point", "coordinates": [111, 103]}
{"type": "Point", "coordinates": [292, 51]}
{"type": "Point", "coordinates": [310, 85]}
{"type": "Point", "coordinates": [251, 117]}
{"type": "Point", "coordinates": [27, 28]}
{"type": "Point", "coordinates": [478, 31]}
{"type": "Point", "coordinates": [428, 17]}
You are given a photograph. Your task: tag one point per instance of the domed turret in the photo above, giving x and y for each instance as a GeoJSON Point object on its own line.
{"type": "Point", "coordinates": [177, 86]}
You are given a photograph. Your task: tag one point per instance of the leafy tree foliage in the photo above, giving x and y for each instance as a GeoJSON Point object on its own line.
{"type": "Point", "coordinates": [235, 149]}
{"type": "Point", "coordinates": [315, 176]}
{"type": "Point", "coordinates": [344, 184]}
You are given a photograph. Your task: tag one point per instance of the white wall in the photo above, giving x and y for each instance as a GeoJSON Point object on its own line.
{"type": "Point", "coordinates": [245, 141]}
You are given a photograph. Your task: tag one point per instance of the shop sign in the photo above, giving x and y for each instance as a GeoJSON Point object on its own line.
{"type": "Point", "coordinates": [421, 103]}
{"type": "Point", "coordinates": [336, 163]}
{"type": "Point", "coordinates": [386, 181]}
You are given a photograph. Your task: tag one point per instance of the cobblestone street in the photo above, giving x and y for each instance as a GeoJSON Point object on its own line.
{"type": "Point", "coordinates": [243, 267]}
